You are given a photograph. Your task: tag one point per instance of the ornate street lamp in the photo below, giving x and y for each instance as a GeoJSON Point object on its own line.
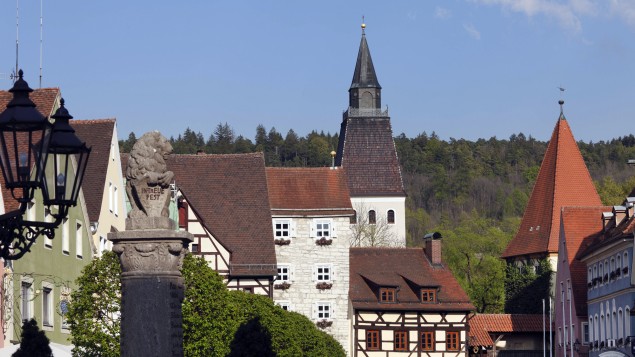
{"type": "Point", "coordinates": [35, 154]}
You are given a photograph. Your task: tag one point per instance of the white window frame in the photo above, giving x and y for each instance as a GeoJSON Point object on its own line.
{"type": "Point", "coordinates": [289, 230]}
{"type": "Point", "coordinates": [79, 236]}
{"type": "Point", "coordinates": [323, 310]}
{"type": "Point", "coordinates": [285, 305]}
{"type": "Point", "coordinates": [288, 273]}
{"type": "Point", "coordinates": [394, 216]}
{"type": "Point", "coordinates": [26, 299]}
{"type": "Point", "coordinates": [115, 196]}
{"type": "Point", "coordinates": [48, 243]}
{"type": "Point", "coordinates": [48, 319]}
{"type": "Point", "coordinates": [110, 197]}
{"type": "Point", "coordinates": [65, 236]}
{"type": "Point", "coordinates": [319, 276]}
{"type": "Point", "coordinates": [319, 231]}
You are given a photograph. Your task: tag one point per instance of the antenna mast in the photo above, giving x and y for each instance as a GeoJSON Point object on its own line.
{"type": "Point", "coordinates": [41, 26]}
{"type": "Point", "coordinates": [17, 36]}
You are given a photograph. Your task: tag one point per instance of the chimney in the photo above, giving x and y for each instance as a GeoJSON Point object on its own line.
{"type": "Point", "coordinates": [619, 212]}
{"type": "Point", "coordinates": [433, 247]}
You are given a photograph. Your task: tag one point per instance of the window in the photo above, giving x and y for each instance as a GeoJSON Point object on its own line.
{"type": "Point", "coordinates": [285, 305]}
{"type": "Point", "coordinates": [110, 197]}
{"type": "Point", "coordinates": [284, 273]}
{"type": "Point", "coordinates": [353, 219]}
{"type": "Point", "coordinates": [48, 243]}
{"type": "Point", "coordinates": [452, 340]}
{"type": "Point", "coordinates": [620, 324]}
{"type": "Point", "coordinates": [427, 341]}
{"type": "Point", "coordinates": [194, 248]}
{"type": "Point", "coordinates": [65, 237]}
{"type": "Point", "coordinates": [323, 273]}
{"type": "Point", "coordinates": [627, 325]}
{"type": "Point", "coordinates": [618, 266]}
{"type": "Point", "coordinates": [323, 229]}
{"type": "Point", "coordinates": [47, 306]}
{"type": "Point", "coordinates": [115, 200]}
{"type": "Point", "coordinates": [27, 300]}
{"type": "Point", "coordinates": [64, 302]}
{"type": "Point", "coordinates": [391, 216]}
{"type": "Point", "coordinates": [625, 263]}
{"type": "Point", "coordinates": [387, 294]}
{"type": "Point", "coordinates": [323, 311]}
{"type": "Point", "coordinates": [428, 295]}
{"type": "Point", "coordinates": [78, 239]}
{"type": "Point", "coordinates": [249, 290]}
{"type": "Point", "coordinates": [281, 229]}
{"type": "Point", "coordinates": [585, 333]}
{"type": "Point", "coordinates": [372, 217]}
{"type": "Point", "coordinates": [401, 340]}
{"type": "Point", "coordinates": [372, 340]}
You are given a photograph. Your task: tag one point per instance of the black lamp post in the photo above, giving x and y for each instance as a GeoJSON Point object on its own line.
{"type": "Point", "coordinates": [35, 154]}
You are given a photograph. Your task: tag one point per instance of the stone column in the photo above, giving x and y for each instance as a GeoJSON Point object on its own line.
{"type": "Point", "coordinates": [152, 291]}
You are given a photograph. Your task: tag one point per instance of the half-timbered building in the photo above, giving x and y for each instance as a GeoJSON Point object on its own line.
{"type": "Point", "coordinates": [406, 302]}
{"type": "Point", "coordinates": [223, 202]}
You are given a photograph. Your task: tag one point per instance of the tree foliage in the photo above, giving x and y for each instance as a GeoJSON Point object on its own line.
{"type": "Point", "coordinates": [93, 314]}
{"type": "Point", "coordinates": [33, 341]}
{"type": "Point", "coordinates": [526, 286]}
{"type": "Point", "coordinates": [216, 322]}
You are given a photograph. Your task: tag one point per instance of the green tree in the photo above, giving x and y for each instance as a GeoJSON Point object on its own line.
{"type": "Point", "coordinates": [526, 286]}
{"type": "Point", "coordinates": [93, 316]}
{"type": "Point", "coordinates": [33, 341]}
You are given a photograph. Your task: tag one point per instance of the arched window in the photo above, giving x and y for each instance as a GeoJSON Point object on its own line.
{"type": "Point", "coordinates": [620, 324]}
{"type": "Point", "coordinates": [353, 219]}
{"type": "Point", "coordinates": [596, 328]}
{"type": "Point", "coordinates": [625, 262]}
{"type": "Point", "coordinates": [618, 265]}
{"type": "Point", "coordinates": [601, 272]}
{"type": "Point", "coordinates": [391, 216]}
{"type": "Point", "coordinates": [372, 218]}
{"type": "Point", "coordinates": [591, 324]}
{"type": "Point", "coordinates": [614, 325]}
{"type": "Point", "coordinates": [602, 328]}
{"type": "Point", "coordinates": [627, 322]}
{"type": "Point", "coordinates": [612, 268]}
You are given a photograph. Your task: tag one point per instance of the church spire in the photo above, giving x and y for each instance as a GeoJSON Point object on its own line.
{"type": "Point", "coordinates": [365, 89]}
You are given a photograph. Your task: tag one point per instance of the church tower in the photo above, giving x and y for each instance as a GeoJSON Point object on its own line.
{"type": "Point", "coordinates": [367, 153]}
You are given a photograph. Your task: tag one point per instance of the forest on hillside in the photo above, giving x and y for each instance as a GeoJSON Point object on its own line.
{"type": "Point", "coordinates": [473, 192]}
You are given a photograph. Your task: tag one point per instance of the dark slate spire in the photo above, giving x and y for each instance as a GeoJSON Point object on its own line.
{"type": "Point", "coordinates": [365, 89]}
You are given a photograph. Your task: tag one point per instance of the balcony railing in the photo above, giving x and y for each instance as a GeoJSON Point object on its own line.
{"type": "Point", "coordinates": [366, 112]}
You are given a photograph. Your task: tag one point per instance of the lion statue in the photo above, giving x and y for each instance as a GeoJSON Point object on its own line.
{"type": "Point", "coordinates": [148, 179]}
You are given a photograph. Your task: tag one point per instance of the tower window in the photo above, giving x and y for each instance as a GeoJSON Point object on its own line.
{"type": "Point", "coordinates": [372, 217]}
{"type": "Point", "coordinates": [391, 216]}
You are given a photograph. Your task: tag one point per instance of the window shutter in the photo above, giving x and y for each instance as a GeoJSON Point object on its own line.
{"type": "Point", "coordinates": [333, 230]}
{"type": "Point", "coordinates": [292, 229]}
{"type": "Point", "coordinates": [312, 234]}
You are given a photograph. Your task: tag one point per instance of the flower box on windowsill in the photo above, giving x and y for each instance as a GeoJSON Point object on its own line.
{"type": "Point", "coordinates": [606, 278]}
{"type": "Point", "coordinates": [612, 276]}
{"type": "Point", "coordinates": [625, 270]}
{"type": "Point", "coordinates": [620, 342]}
{"type": "Point", "coordinates": [323, 286]}
{"type": "Point", "coordinates": [618, 272]}
{"type": "Point", "coordinates": [282, 241]}
{"type": "Point", "coordinates": [324, 241]}
{"type": "Point", "coordinates": [324, 323]}
{"type": "Point", "coordinates": [282, 286]}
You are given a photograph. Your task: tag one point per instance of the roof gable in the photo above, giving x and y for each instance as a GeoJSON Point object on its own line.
{"type": "Point", "coordinates": [229, 194]}
{"type": "Point", "coordinates": [563, 180]}
{"type": "Point", "coordinates": [98, 135]}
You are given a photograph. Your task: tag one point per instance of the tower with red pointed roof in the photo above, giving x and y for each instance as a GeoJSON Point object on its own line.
{"type": "Point", "coordinates": [563, 180]}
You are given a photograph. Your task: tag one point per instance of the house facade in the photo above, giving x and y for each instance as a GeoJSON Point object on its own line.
{"type": "Point", "coordinates": [106, 202]}
{"type": "Point", "coordinates": [223, 202]}
{"type": "Point", "coordinates": [610, 283]}
{"type": "Point", "coordinates": [579, 226]}
{"type": "Point", "coordinates": [39, 284]}
{"type": "Point", "coordinates": [367, 152]}
{"type": "Point", "coordinates": [406, 302]}
{"type": "Point", "coordinates": [311, 216]}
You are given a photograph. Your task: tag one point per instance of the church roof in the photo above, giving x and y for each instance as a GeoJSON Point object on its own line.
{"type": "Point", "coordinates": [580, 226]}
{"type": "Point", "coordinates": [563, 180]}
{"type": "Point", "coordinates": [98, 136]}
{"type": "Point", "coordinates": [228, 193]}
{"type": "Point", "coordinates": [308, 191]}
{"type": "Point", "coordinates": [364, 75]}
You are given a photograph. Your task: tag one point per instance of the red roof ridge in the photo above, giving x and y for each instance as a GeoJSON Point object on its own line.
{"type": "Point", "coordinates": [93, 121]}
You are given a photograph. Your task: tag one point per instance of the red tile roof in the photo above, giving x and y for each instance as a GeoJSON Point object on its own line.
{"type": "Point", "coordinates": [308, 191]}
{"type": "Point", "coordinates": [46, 101]}
{"type": "Point", "coordinates": [98, 135]}
{"type": "Point", "coordinates": [563, 180]}
{"type": "Point", "coordinates": [580, 226]}
{"type": "Point", "coordinates": [483, 324]}
{"type": "Point", "coordinates": [406, 268]}
{"type": "Point", "coordinates": [367, 151]}
{"type": "Point", "coordinates": [611, 234]}
{"type": "Point", "coordinates": [228, 193]}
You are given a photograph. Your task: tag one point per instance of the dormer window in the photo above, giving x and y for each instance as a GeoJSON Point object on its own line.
{"type": "Point", "coordinates": [428, 295]}
{"type": "Point", "coordinates": [387, 295]}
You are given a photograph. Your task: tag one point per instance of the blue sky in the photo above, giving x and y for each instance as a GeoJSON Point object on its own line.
{"type": "Point", "coordinates": [461, 68]}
